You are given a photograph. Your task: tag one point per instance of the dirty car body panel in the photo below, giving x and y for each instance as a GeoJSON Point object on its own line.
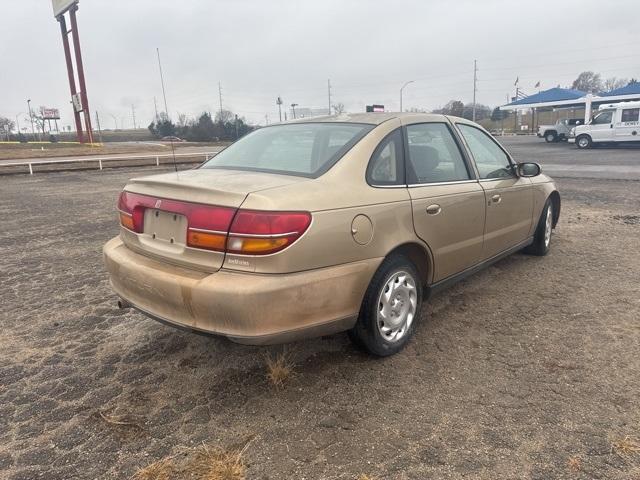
{"type": "Point", "coordinates": [207, 249]}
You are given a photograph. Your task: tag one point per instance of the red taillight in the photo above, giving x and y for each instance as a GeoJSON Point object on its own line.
{"type": "Point", "coordinates": [256, 232]}
{"type": "Point", "coordinates": [210, 227]}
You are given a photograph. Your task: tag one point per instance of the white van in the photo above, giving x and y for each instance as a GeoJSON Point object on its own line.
{"type": "Point", "coordinates": [615, 122]}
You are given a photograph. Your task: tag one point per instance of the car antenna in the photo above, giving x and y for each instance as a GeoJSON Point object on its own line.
{"type": "Point", "coordinates": [166, 110]}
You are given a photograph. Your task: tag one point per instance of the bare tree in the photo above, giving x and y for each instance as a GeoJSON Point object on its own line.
{"type": "Point", "coordinates": [338, 108]}
{"type": "Point", "coordinates": [224, 116]}
{"type": "Point", "coordinates": [588, 82]}
{"type": "Point", "coordinates": [453, 107]}
{"type": "Point", "coordinates": [614, 83]}
{"type": "Point", "coordinates": [6, 125]}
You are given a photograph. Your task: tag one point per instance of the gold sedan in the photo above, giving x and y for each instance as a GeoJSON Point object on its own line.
{"type": "Point", "coordinates": [344, 223]}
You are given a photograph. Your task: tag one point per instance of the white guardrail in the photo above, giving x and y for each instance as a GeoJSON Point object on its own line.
{"type": "Point", "coordinates": [101, 160]}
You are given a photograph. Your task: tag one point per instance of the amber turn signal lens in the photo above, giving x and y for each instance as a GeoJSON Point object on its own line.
{"type": "Point", "coordinates": [250, 246]}
{"type": "Point", "coordinates": [126, 221]}
{"type": "Point", "coordinates": [209, 241]}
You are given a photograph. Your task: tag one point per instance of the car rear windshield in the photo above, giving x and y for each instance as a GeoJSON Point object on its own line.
{"type": "Point", "coordinates": [306, 149]}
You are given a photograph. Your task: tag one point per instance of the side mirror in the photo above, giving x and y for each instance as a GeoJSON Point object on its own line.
{"type": "Point", "coordinates": [529, 169]}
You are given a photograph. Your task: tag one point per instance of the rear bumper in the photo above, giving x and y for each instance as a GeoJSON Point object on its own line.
{"type": "Point", "coordinates": [248, 308]}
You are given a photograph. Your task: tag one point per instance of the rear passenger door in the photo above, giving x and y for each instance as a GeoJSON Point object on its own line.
{"type": "Point", "coordinates": [447, 201]}
{"type": "Point", "coordinates": [509, 198]}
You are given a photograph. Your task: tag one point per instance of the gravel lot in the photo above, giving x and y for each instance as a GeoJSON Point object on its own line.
{"type": "Point", "coordinates": [528, 370]}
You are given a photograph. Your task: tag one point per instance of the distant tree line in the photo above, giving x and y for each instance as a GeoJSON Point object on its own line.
{"type": "Point", "coordinates": [592, 82]}
{"type": "Point", "coordinates": [459, 109]}
{"type": "Point", "coordinates": [225, 126]}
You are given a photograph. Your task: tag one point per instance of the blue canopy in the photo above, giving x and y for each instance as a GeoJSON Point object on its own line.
{"type": "Point", "coordinates": [631, 89]}
{"type": "Point", "coordinates": [551, 95]}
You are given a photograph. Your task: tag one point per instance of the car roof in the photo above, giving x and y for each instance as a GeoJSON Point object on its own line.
{"type": "Point", "coordinates": [376, 118]}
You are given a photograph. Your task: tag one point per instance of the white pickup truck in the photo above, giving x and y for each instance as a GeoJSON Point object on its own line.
{"type": "Point", "coordinates": [560, 131]}
{"type": "Point", "coordinates": [614, 123]}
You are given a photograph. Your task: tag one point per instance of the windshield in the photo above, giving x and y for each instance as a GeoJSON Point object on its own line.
{"type": "Point", "coordinates": [307, 149]}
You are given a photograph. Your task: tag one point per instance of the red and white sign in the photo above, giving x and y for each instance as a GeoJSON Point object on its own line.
{"type": "Point", "coordinates": [50, 113]}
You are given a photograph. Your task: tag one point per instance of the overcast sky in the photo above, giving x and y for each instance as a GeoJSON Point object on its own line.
{"type": "Point", "coordinates": [259, 49]}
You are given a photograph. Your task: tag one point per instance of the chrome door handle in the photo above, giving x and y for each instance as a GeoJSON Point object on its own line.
{"type": "Point", "coordinates": [434, 209]}
{"type": "Point", "coordinates": [496, 199]}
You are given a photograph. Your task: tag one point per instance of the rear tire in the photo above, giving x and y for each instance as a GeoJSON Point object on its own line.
{"type": "Point", "coordinates": [550, 137]}
{"type": "Point", "coordinates": [390, 309]}
{"type": "Point", "coordinates": [542, 236]}
{"type": "Point", "coordinates": [583, 141]}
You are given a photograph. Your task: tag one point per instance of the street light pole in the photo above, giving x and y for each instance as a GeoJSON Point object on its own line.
{"type": "Point", "coordinates": [293, 109]}
{"type": "Point", "coordinates": [279, 103]}
{"type": "Point", "coordinates": [18, 122]}
{"type": "Point", "coordinates": [401, 89]}
{"type": "Point", "coordinates": [33, 133]}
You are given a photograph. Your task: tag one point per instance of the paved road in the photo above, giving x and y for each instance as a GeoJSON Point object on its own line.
{"type": "Point", "coordinates": [565, 160]}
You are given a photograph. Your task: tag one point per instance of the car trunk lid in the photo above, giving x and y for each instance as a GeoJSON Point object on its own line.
{"type": "Point", "coordinates": [183, 218]}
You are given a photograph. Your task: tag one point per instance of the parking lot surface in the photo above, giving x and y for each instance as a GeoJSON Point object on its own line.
{"type": "Point", "coordinates": [527, 370]}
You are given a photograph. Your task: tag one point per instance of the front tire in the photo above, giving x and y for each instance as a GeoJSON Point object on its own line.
{"type": "Point", "coordinates": [550, 137]}
{"type": "Point", "coordinates": [542, 236]}
{"type": "Point", "coordinates": [390, 309]}
{"type": "Point", "coordinates": [583, 141]}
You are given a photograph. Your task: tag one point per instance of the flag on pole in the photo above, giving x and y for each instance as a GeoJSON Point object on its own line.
{"type": "Point", "coordinates": [517, 80]}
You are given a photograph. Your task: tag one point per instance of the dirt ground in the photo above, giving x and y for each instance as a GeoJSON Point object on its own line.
{"type": "Point", "coordinates": [527, 370]}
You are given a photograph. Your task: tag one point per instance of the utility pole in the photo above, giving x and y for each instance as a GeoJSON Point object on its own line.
{"type": "Point", "coordinates": [279, 103]}
{"type": "Point", "coordinates": [133, 114]}
{"type": "Point", "coordinates": [515, 117]}
{"type": "Point", "coordinates": [293, 109]}
{"type": "Point", "coordinates": [220, 99]}
{"type": "Point", "coordinates": [98, 125]}
{"type": "Point", "coordinates": [155, 107]}
{"type": "Point", "coordinates": [329, 91]}
{"type": "Point", "coordinates": [266, 119]}
{"type": "Point", "coordinates": [475, 87]}
{"type": "Point", "coordinates": [236, 126]}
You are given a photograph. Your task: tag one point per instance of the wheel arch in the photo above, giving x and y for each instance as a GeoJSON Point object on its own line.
{"type": "Point", "coordinates": [583, 135]}
{"type": "Point", "coordinates": [420, 256]}
{"type": "Point", "coordinates": [555, 203]}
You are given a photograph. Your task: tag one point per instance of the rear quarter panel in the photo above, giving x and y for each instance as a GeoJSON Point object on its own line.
{"type": "Point", "coordinates": [334, 200]}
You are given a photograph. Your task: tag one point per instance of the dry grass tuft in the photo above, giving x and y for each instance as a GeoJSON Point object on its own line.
{"type": "Point", "coordinates": [201, 463]}
{"type": "Point", "coordinates": [160, 470]}
{"type": "Point", "coordinates": [574, 463]}
{"type": "Point", "coordinates": [215, 464]}
{"type": "Point", "coordinates": [120, 421]}
{"type": "Point", "coordinates": [626, 447]}
{"type": "Point", "coordinates": [280, 369]}
{"type": "Point", "coordinates": [365, 477]}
